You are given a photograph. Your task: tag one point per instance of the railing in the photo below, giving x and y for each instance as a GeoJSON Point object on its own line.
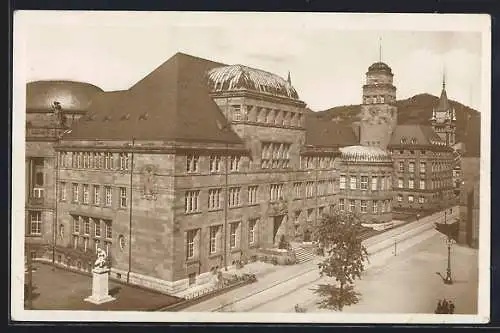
{"type": "Point", "coordinates": [36, 201]}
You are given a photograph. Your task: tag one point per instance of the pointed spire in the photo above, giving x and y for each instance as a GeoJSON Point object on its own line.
{"type": "Point", "coordinates": [289, 80]}
{"type": "Point", "coordinates": [444, 104]}
{"type": "Point", "coordinates": [380, 49]}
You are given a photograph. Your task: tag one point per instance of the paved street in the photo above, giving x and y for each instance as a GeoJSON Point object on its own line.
{"type": "Point", "coordinates": [405, 283]}
{"type": "Point", "coordinates": [281, 289]}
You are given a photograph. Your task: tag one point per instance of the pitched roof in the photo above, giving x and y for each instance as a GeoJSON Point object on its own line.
{"type": "Point", "coordinates": [415, 135]}
{"type": "Point", "coordinates": [328, 133]}
{"type": "Point", "coordinates": [171, 103]}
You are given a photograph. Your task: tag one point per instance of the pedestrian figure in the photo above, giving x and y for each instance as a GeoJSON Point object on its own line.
{"type": "Point", "coordinates": [446, 306]}
{"type": "Point", "coordinates": [439, 308]}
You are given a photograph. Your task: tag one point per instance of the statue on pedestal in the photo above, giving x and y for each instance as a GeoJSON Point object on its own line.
{"type": "Point", "coordinates": [101, 261]}
{"type": "Point", "coordinates": [100, 280]}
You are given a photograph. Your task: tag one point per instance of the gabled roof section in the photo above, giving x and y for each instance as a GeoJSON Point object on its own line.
{"type": "Point", "coordinates": [328, 133]}
{"type": "Point", "coordinates": [171, 103]}
{"type": "Point", "coordinates": [415, 135]}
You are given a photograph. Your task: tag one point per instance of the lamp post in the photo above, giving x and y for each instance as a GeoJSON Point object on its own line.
{"type": "Point", "coordinates": [449, 242]}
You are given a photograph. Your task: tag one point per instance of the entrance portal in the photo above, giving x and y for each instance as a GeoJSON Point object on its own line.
{"type": "Point", "coordinates": [278, 226]}
{"type": "Point", "coordinates": [307, 235]}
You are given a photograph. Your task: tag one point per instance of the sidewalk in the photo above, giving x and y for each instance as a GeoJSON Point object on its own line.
{"type": "Point", "coordinates": [403, 283]}
{"type": "Point", "coordinates": [278, 276]}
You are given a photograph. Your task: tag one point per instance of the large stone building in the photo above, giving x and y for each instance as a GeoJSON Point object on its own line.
{"type": "Point", "coordinates": [201, 164]}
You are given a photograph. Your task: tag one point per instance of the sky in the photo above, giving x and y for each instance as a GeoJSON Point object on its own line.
{"type": "Point", "coordinates": [327, 56]}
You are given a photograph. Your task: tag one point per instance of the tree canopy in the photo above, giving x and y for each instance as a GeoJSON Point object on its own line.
{"type": "Point", "coordinates": [339, 236]}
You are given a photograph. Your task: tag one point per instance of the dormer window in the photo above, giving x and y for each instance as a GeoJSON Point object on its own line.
{"type": "Point", "coordinates": [403, 140]}
{"type": "Point", "coordinates": [413, 141]}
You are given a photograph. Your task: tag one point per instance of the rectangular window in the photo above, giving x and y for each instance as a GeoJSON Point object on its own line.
{"type": "Point", "coordinates": [86, 225]}
{"type": "Point", "coordinates": [352, 183]}
{"type": "Point", "coordinates": [124, 161]}
{"type": "Point", "coordinates": [191, 201]}
{"type": "Point", "coordinates": [234, 163]}
{"type": "Point", "coordinates": [108, 194]}
{"type": "Point", "coordinates": [192, 163]}
{"type": "Point", "coordinates": [401, 166]}
{"type": "Point", "coordinates": [297, 190]}
{"type": "Point", "coordinates": [375, 206]}
{"type": "Point", "coordinates": [352, 205]}
{"type": "Point", "coordinates": [191, 234]}
{"type": "Point", "coordinates": [276, 192]}
{"type": "Point", "coordinates": [236, 112]}
{"type": "Point", "coordinates": [422, 167]}
{"type": "Point", "coordinates": [342, 204]}
{"type": "Point", "coordinates": [109, 229]}
{"type": "Point", "coordinates": [310, 213]}
{"type": "Point", "coordinates": [382, 206]}
{"type": "Point", "coordinates": [411, 167]}
{"type": "Point", "coordinates": [422, 184]}
{"type": "Point", "coordinates": [97, 195]}
{"type": "Point", "coordinates": [364, 182]}
{"type": "Point", "coordinates": [232, 234]}
{"type": "Point", "coordinates": [215, 163]}
{"type": "Point", "coordinates": [252, 195]}
{"type": "Point", "coordinates": [252, 230]}
{"type": "Point", "coordinates": [331, 187]}
{"type": "Point", "coordinates": [75, 241]}
{"type": "Point", "coordinates": [374, 183]}
{"type": "Point", "coordinates": [36, 223]}
{"type": "Point", "coordinates": [214, 199]}
{"type": "Point", "coordinates": [108, 161]}
{"type": "Point", "coordinates": [62, 190]}
{"type": "Point", "coordinates": [76, 224]}
{"type": "Point", "coordinates": [309, 189]}
{"type": "Point", "coordinates": [321, 210]}
{"type": "Point", "coordinates": [363, 206]}
{"type": "Point", "coordinates": [400, 198]}
{"type": "Point", "coordinates": [410, 198]}
{"type": "Point", "coordinates": [79, 160]}
{"type": "Point", "coordinates": [234, 196]}
{"type": "Point", "coordinates": [214, 230]}
{"type": "Point", "coordinates": [85, 160]}
{"type": "Point", "coordinates": [76, 191]}
{"type": "Point", "coordinates": [85, 193]}
{"type": "Point", "coordinates": [421, 200]}
{"type": "Point", "coordinates": [123, 197]}
{"type": "Point", "coordinates": [389, 183]}
{"type": "Point", "coordinates": [411, 183]}
{"type": "Point", "coordinates": [97, 227]}
{"type": "Point", "coordinates": [400, 183]}
{"type": "Point", "coordinates": [342, 182]}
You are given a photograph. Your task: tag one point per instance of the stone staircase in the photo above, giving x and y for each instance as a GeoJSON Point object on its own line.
{"type": "Point", "coordinates": [304, 254]}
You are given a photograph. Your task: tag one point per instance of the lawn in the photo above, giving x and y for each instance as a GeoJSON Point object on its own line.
{"type": "Point", "coordinates": [60, 289]}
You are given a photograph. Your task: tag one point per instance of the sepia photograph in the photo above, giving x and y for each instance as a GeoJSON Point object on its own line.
{"type": "Point", "coordinates": [251, 167]}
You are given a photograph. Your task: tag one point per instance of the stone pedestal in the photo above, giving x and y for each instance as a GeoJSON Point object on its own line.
{"type": "Point", "coordinates": [100, 287]}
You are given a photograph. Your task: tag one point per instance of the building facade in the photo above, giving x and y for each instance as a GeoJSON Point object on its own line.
{"type": "Point", "coordinates": [200, 164]}
{"type": "Point", "coordinates": [51, 109]}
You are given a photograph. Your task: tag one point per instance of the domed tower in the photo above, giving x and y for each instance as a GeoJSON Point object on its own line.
{"type": "Point", "coordinates": [378, 112]}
